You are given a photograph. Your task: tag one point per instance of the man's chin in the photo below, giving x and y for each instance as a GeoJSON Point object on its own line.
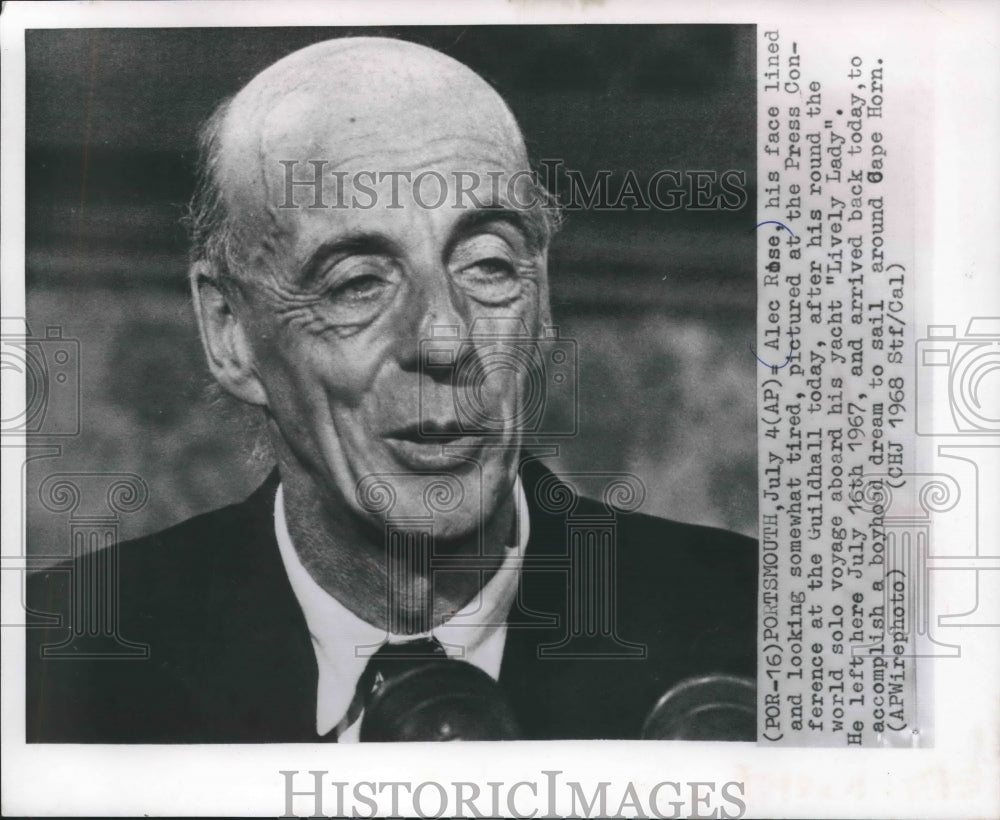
{"type": "Point", "coordinates": [455, 541]}
{"type": "Point", "coordinates": [448, 517]}
{"type": "Point", "coordinates": [455, 500]}
{"type": "Point", "coordinates": [450, 530]}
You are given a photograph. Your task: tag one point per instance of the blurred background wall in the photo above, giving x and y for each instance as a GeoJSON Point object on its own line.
{"type": "Point", "coordinates": [661, 303]}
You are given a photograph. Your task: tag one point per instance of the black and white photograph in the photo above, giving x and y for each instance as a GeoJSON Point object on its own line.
{"type": "Point", "coordinates": [474, 383]}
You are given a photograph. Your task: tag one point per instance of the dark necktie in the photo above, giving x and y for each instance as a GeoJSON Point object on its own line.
{"type": "Point", "coordinates": [413, 691]}
{"type": "Point", "coordinates": [390, 659]}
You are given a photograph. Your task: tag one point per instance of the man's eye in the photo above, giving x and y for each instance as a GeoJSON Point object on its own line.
{"type": "Point", "coordinates": [360, 288]}
{"type": "Point", "coordinates": [494, 280]}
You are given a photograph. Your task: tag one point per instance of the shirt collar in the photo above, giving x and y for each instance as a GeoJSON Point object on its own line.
{"type": "Point", "coordinates": [343, 642]}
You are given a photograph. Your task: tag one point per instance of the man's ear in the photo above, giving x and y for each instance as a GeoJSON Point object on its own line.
{"type": "Point", "coordinates": [224, 337]}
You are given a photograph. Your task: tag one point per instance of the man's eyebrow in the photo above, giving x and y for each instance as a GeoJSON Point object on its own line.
{"type": "Point", "coordinates": [529, 221]}
{"type": "Point", "coordinates": [347, 244]}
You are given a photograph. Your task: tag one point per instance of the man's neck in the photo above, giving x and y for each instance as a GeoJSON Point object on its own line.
{"type": "Point", "coordinates": [350, 559]}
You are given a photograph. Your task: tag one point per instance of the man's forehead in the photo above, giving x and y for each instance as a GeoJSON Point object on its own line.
{"type": "Point", "coordinates": [365, 102]}
{"type": "Point", "coordinates": [439, 211]}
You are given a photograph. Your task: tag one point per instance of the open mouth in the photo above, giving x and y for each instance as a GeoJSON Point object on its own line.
{"type": "Point", "coordinates": [434, 445]}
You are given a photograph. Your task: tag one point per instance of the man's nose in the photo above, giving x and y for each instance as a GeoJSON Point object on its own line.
{"type": "Point", "coordinates": [435, 329]}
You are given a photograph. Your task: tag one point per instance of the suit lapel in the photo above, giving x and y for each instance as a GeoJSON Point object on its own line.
{"type": "Point", "coordinates": [270, 656]}
{"type": "Point", "coordinates": [538, 617]}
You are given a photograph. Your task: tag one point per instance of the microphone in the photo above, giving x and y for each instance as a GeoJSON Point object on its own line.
{"type": "Point", "coordinates": [711, 707]}
{"type": "Point", "coordinates": [431, 697]}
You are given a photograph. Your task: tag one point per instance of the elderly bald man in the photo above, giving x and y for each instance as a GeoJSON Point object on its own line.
{"type": "Point", "coordinates": [359, 199]}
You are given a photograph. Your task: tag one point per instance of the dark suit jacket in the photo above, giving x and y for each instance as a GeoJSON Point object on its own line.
{"type": "Point", "coordinates": [230, 657]}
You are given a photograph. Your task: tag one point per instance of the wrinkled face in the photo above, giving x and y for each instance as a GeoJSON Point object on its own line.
{"type": "Point", "coordinates": [345, 303]}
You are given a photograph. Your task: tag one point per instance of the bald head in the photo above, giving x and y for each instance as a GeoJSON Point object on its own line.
{"type": "Point", "coordinates": [364, 89]}
{"type": "Point", "coordinates": [354, 104]}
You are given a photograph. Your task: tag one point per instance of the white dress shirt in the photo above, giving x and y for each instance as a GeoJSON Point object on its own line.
{"type": "Point", "coordinates": [343, 642]}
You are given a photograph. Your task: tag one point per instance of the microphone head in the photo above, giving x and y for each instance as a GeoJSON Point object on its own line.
{"type": "Point", "coordinates": [712, 707]}
{"type": "Point", "coordinates": [439, 700]}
